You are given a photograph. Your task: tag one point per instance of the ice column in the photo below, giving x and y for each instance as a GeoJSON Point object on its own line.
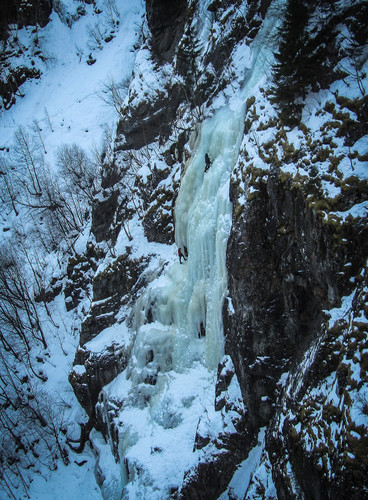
{"type": "Point", "coordinates": [203, 222]}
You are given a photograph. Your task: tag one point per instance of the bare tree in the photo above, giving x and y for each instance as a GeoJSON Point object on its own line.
{"type": "Point", "coordinates": [33, 428]}
{"type": "Point", "coordinates": [96, 35]}
{"type": "Point", "coordinates": [112, 13]}
{"type": "Point", "coordinates": [18, 311]}
{"type": "Point", "coordinates": [113, 93]}
{"type": "Point", "coordinates": [38, 130]}
{"type": "Point", "coordinates": [8, 192]}
{"type": "Point", "coordinates": [48, 119]}
{"type": "Point", "coordinates": [26, 155]}
{"type": "Point", "coordinates": [357, 55]}
{"type": "Point", "coordinates": [78, 171]}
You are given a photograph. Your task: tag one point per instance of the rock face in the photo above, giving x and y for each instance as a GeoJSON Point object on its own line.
{"type": "Point", "coordinates": [166, 21]}
{"type": "Point", "coordinates": [150, 119]}
{"type": "Point", "coordinates": [103, 212]}
{"type": "Point", "coordinates": [32, 12]}
{"type": "Point", "coordinates": [284, 269]}
{"type": "Point", "coordinates": [112, 288]}
{"type": "Point", "coordinates": [94, 370]}
{"type": "Point", "coordinates": [318, 434]}
{"type": "Point", "coordinates": [279, 277]}
{"type": "Point", "coordinates": [232, 444]}
{"type": "Point", "coordinates": [159, 202]}
{"type": "Point", "coordinates": [79, 276]}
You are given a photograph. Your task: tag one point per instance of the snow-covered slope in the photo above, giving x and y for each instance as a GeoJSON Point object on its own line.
{"type": "Point", "coordinates": [65, 99]}
{"type": "Point", "coordinates": [68, 104]}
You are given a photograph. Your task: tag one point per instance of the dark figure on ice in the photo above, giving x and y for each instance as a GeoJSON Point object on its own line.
{"type": "Point", "coordinates": [202, 331]}
{"type": "Point", "coordinates": [185, 251]}
{"type": "Point", "coordinates": [208, 162]}
{"type": "Point", "coordinates": [181, 256]}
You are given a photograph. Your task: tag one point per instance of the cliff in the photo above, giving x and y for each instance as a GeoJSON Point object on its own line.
{"type": "Point", "coordinates": [294, 314]}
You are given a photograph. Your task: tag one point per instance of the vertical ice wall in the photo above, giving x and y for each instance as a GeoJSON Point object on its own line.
{"type": "Point", "coordinates": [186, 303]}
{"type": "Point", "coordinates": [203, 222]}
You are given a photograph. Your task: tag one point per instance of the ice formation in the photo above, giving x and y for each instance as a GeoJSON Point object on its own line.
{"type": "Point", "coordinates": [169, 383]}
{"type": "Point", "coordinates": [170, 379]}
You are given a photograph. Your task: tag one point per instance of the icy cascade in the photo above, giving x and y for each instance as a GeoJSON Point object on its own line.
{"type": "Point", "coordinates": [203, 223]}
{"type": "Point", "coordinates": [169, 383]}
{"type": "Point", "coordinates": [186, 303]}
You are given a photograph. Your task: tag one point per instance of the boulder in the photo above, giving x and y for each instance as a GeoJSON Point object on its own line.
{"type": "Point", "coordinates": [93, 370]}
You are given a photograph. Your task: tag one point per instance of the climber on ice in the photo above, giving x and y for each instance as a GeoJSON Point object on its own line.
{"type": "Point", "coordinates": [208, 162]}
{"type": "Point", "coordinates": [181, 256]}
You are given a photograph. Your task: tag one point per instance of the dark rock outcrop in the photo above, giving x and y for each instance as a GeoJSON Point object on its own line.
{"type": "Point", "coordinates": [159, 202]}
{"type": "Point", "coordinates": [224, 452]}
{"type": "Point", "coordinates": [22, 14]}
{"type": "Point", "coordinates": [166, 21]}
{"type": "Point", "coordinates": [258, 8]}
{"type": "Point", "coordinates": [103, 212]}
{"type": "Point", "coordinates": [158, 226]}
{"type": "Point", "coordinates": [152, 118]}
{"type": "Point", "coordinates": [79, 271]}
{"type": "Point", "coordinates": [112, 288]}
{"type": "Point", "coordinates": [148, 121]}
{"type": "Point", "coordinates": [49, 293]}
{"type": "Point", "coordinates": [79, 276]}
{"type": "Point", "coordinates": [94, 370]}
{"type": "Point", "coordinates": [326, 464]}
{"type": "Point", "coordinates": [284, 269]}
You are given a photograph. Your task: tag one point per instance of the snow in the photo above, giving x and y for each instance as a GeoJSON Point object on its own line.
{"type": "Point", "coordinates": [150, 436]}
{"type": "Point", "coordinates": [117, 333]}
{"type": "Point", "coordinates": [358, 210]}
{"type": "Point", "coordinates": [72, 481]}
{"type": "Point", "coordinates": [67, 91]}
{"type": "Point", "coordinates": [79, 369]}
{"type": "Point", "coordinates": [67, 109]}
{"type": "Point", "coordinates": [230, 305]}
{"type": "Point", "coordinates": [239, 483]}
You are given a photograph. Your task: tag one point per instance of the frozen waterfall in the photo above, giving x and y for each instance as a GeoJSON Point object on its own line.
{"type": "Point", "coordinates": [170, 380]}
{"type": "Point", "coordinates": [203, 222]}
{"type": "Point", "coordinates": [186, 303]}
{"type": "Point", "coordinates": [169, 384]}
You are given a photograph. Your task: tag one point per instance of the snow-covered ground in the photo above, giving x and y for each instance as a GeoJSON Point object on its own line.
{"type": "Point", "coordinates": [65, 100]}
{"type": "Point", "coordinates": [64, 106]}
